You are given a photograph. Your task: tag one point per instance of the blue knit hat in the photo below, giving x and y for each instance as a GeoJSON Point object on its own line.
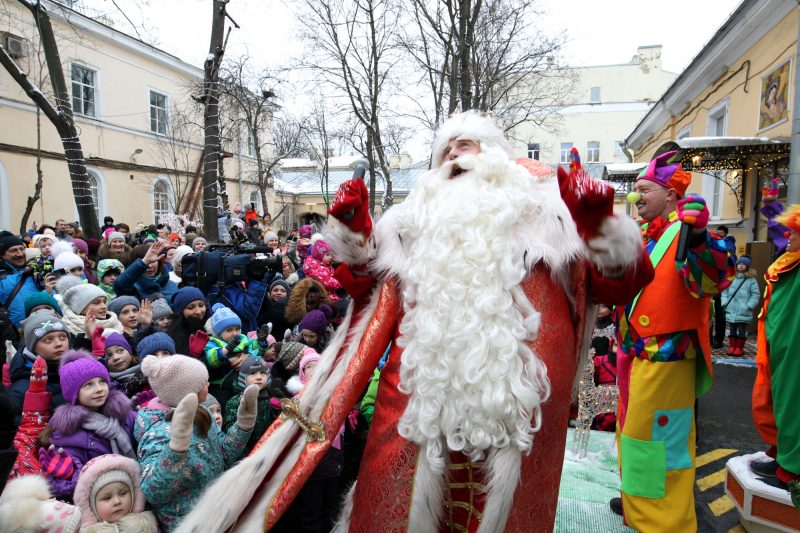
{"type": "Point", "coordinates": [184, 297]}
{"type": "Point", "coordinates": [40, 298]}
{"type": "Point", "coordinates": [223, 318]}
{"type": "Point", "coordinates": [746, 260]}
{"type": "Point", "coordinates": [116, 305]}
{"type": "Point", "coordinates": [153, 343]}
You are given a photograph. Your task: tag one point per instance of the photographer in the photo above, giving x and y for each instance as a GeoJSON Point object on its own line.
{"type": "Point", "coordinates": [12, 274]}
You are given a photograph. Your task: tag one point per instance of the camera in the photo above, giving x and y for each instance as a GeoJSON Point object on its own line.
{"type": "Point", "coordinates": [226, 264]}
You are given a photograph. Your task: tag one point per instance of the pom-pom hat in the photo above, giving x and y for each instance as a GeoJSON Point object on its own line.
{"type": "Point", "coordinates": [172, 378]}
{"type": "Point", "coordinates": [76, 368]}
{"type": "Point", "coordinates": [223, 318]}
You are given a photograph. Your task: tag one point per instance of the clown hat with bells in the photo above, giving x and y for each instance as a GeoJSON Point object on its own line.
{"type": "Point", "coordinates": [663, 171]}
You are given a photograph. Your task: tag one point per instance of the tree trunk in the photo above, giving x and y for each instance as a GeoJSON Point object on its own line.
{"type": "Point", "coordinates": [37, 190]}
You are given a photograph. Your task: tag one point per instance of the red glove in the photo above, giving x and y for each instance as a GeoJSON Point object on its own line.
{"type": "Point", "coordinates": [197, 343]}
{"type": "Point", "coordinates": [98, 342]}
{"type": "Point", "coordinates": [56, 463]}
{"type": "Point", "coordinates": [589, 200]}
{"type": "Point", "coordinates": [351, 206]}
{"type": "Point", "coordinates": [38, 381]}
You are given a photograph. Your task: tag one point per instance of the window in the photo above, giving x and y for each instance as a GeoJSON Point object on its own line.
{"type": "Point", "coordinates": [95, 194]}
{"type": "Point", "coordinates": [158, 113]}
{"type": "Point", "coordinates": [619, 150]}
{"type": "Point", "coordinates": [96, 190]}
{"type": "Point", "coordinates": [712, 184]}
{"type": "Point", "coordinates": [255, 198]}
{"type": "Point", "coordinates": [161, 194]}
{"type": "Point", "coordinates": [533, 151]}
{"type": "Point", "coordinates": [594, 95]}
{"type": "Point", "coordinates": [84, 91]}
{"type": "Point", "coordinates": [251, 143]}
{"type": "Point", "coordinates": [685, 132]}
{"type": "Point", "coordinates": [592, 152]}
{"type": "Point", "coordinates": [565, 148]}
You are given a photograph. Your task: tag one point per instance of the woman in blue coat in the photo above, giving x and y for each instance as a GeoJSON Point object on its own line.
{"type": "Point", "coordinates": [146, 275]}
{"type": "Point", "coordinates": [739, 301]}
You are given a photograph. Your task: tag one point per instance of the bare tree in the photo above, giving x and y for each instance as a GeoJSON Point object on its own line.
{"type": "Point", "coordinates": [353, 55]}
{"type": "Point", "coordinates": [60, 114]}
{"type": "Point", "coordinates": [318, 138]}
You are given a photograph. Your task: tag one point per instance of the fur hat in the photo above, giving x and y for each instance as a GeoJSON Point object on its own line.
{"type": "Point", "coordinates": [26, 506]}
{"type": "Point", "coordinates": [223, 318]}
{"type": "Point", "coordinates": [161, 308]}
{"type": "Point", "coordinates": [153, 343]}
{"type": "Point", "coordinates": [172, 378]}
{"type": "Point", "coordinates": [315, 321]}
{"type": "Point", "coordinates": [184, 297]}
{"type": "Point", "coordinates": [40, 298]}
{"type": "Point", "coordinates": [310, 355]}
{"type": "Point", "coordinates": [38, 325]}
{"type": "Point", "coordinates": [471, 126]}
{"type": "Point", "coordinates": [117, 339]}
{"type": "Point", "coordinates": [290, 355]}
{"type": "Point", "coordinates": [80, 296]}
{"type": "Point", "coordinates": [67, 261]}
{"type": "Point", "coordinates": [107, 265]}
{"type": "Point", "coordinates": [117, 304]}
{"type": "Point", "coordinates": [101, 471]}
{"type": "Point", "coordinates": [76, 368]}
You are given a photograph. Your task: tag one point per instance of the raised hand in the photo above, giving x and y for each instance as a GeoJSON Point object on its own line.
{"type": "Point", "coordinates": [351, 206]}
{"type": "Point", "coordinates": [38, 380]}
{"type": "Point", "coordinates": [589, 201]}
{"type": "Point", "coordinates": [89, 324]}
{"type": "Point", "coordinates": [56, 462]}
{"type": "Point", "coordinates": [145, 315]}
{"type": "Point", "coordinates": [197, 343]}
{"type": "Point", "coordinates": [263, 333]}
{"type": "Point", "coordinates": [154, 253]}
{"type": "Point", "coordinates": [693, 210]}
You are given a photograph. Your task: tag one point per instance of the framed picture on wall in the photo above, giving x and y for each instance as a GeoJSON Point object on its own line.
{"type": "Point", "coordinates": [774, 104]}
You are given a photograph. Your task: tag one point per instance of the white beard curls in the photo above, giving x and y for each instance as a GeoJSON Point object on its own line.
{"type": "Point", "coordinates": [473, 382]}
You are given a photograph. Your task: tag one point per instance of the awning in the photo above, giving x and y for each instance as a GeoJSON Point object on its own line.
{"type": "Point", "coordinates": [623, 172]}
{"type": "Point", "coordinates": [700, 154]}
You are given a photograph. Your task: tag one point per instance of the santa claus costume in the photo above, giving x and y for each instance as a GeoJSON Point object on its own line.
{"type": "Point", "coordinates": [482, 282]}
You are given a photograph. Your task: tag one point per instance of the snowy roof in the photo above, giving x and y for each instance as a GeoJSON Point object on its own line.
{"type": "Point", "coordinates": [339, 162]}
{"type": "Point", "coordinates": [625, 168]}
{"type": "Point", "coordinates": [310, 182]}
{"type": "Point", "coordinates": [719, 142]}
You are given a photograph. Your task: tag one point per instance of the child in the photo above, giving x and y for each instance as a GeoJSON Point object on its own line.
{"type": "Point", "coordinates": [318, 266]}
{"type": "Point", "coordinates": [227, 349]}
{"type": "Point", "coordinates": [162, 314]}
{"type": "Point", "coordinates": [313, 329]}
{"type": "Point", "coordinates": [127, 310]}
{"type": "Point", "coordinates": [739, 301]}
{"type": "Point", "coordinates": [94, 420]}
{"type": "Point", "coordinates": [123, 367]}
{"type": "Point", "coordinates": [214, 408]}
{"type": "Point", "coordinates": [108, 270]}
{"type": "Point", "coordinates": [110, 499]}
{"type": "Point", "coordinates": [182, 451]}
{"type": "Point", "coordinates": [41, 301]}
{"type": "Point", "coordinates": [253, 372]}
{"type": "Point", "coordinates": [84, 306]}
{"type": "Point", "coordinates": [159, 344]}
{"type": "Point", "coordinates": [286, 366]}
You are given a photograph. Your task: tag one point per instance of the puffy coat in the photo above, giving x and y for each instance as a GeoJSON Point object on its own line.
{"type": "Point", "coordinates": [9, 277]}
{"type": "Point", "coordinates": [323, 273]}
{"type": "Point", "coordinates": [133, 282]}
{"type": "Point", "coordinates": [741, 298]}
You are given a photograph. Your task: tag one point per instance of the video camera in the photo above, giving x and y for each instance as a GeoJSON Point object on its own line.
{"type": "Point", "coordinates": [226, 264]}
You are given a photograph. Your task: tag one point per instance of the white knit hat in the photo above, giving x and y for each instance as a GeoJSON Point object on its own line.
{"type": "Point", "coordinates": [67, 261]}
{"type": "Point", "coordinates": [173, 377]}
{"type": "Point", "coordinates": [115, 235]}
{"type": "Point", "coordinates": [80, 296]}
{"type": "Point", "coordinates": [180, 251]}
{"type": "Point", "coordinates": [471, 126]}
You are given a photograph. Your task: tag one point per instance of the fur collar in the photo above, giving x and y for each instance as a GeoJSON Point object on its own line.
{"type": "Point", "coordinates": [68, 419]}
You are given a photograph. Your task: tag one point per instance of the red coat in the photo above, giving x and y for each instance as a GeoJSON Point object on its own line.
{"type": "Point", "coordinates": [35, 415]}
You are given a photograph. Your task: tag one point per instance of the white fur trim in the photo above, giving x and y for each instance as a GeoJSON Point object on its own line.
{"type": "Point", "coordinates": [347, 246]}
{"type": "Point", "coordinates": [316, 237]}
{"type": "Point", "coordinates": [427, 499]}
{"type": "Point", "coordinates": [617, 245]}
{"type": "Point", "coordinates": [503, 469]}
{"type": "Point", "coordinates": [343, 522]}
{"type": "Point", "coordinates": [294, 385]}
{"type": "Point", "coordinates": [472, 126]}
{"type": "Point", "coordinates": [23, 504]}
{"type": "Point", "coordinates": [59, 247]}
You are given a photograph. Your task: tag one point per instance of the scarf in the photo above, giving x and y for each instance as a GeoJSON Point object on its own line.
{"type": "Point", "coordinates": [125, 375]}
{"type": "Point", "coordinates": [110, 428]}
{"type": "Point", "coordinates": [76, 323]}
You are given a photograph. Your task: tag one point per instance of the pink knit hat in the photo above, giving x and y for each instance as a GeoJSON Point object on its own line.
{"type": "Point", "coordinates": [98, 473]}
{"type": "Point", "coordinates": [310, 355]}
{"type": "Point", "coordinates": [172, 378]}
{"type": "Point", "coordinates": [319, 249]}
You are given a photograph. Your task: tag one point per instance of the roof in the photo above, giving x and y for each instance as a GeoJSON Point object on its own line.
{"type": "Point", "coordinates": [717, 153]}
{"type": "Point", "coordinates": [309, 182]}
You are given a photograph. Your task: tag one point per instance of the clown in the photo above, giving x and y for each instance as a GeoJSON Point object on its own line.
{"type": "Point", "coordinates": [664, 354]}
{"type": "Point", "coordinates": [776, 394]}
{"type": "Point", "coordinates": [481, 283]}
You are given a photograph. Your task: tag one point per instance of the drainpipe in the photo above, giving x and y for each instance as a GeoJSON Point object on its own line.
{"type": "Point", "coordinates": [793, 184]}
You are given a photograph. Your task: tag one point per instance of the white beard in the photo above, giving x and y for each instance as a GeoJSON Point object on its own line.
{"type": "Point", "coordinates": [474, 383]}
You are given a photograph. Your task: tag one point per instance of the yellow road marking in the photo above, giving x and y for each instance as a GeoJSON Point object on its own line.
{"type": "Point", "coordinates": [712, 456]}
{"type": "Point", "coordinates": [721, 505]}
{"type": "Point", "coordinates": [737, 529]}
{"type": "Point", "coordinates": [711, 480]}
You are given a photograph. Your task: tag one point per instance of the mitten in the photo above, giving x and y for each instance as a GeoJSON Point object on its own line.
{"type": "Point", "coordinates": [246, 413]}
{"type": "Point", "coordinates": [351, 206]}
{"type": "Point", "coordinates": [180, 428]}
{"type": "Point", "coordinates": [589, 201]}
{"type": "Point", "coordinates": [98, 342]}
{"type": "Point", "coordinates": [693, 210]}
{"type": "Point", "coordinates": [197, 343]}
{"type": "Point", "coordinates": [38, 381]}
{"type": "Point", "coordinates": [772, 209]}
{"type": "Point", "coordinates": [769, 193]}
{"type": "Point", "coordinates": [56, 462]}
{"type": "Point", "coordinates": [232, 346]}
{"type": "Point", "coordinates": [263, 334]}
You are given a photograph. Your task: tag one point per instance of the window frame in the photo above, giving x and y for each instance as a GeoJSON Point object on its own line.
{"type": "Point", "coordinates": [564, 152]}
{"type": "Point", "coordinates": [713, 190]}
{"type": "Point", "coordinates": [96, 89]}
{"type": "Point", "coordinates": [167, 193]}
{"type": "Point", "coordinates": [534, 149]}
{"type": "Point", "coordinates": [150, 108]}
{"type": "Point", "coordinates": [592, 99]}
{"type": "Point", "coordinates": [593, 151]}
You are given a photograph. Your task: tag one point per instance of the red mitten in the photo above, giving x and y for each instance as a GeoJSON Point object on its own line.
{"type": "Point", "coordinates": [589, 200]}
{"type": "Point", "coordinates": [351, 206]}
{"type": "Point", "coordinates": [38, 381]}
{"type": "Point", "coordinates": [197, 343]}
{"type": "Point", "coordinates": [98, 342]}
{"type": "Point", "coordinates": [56, 463]}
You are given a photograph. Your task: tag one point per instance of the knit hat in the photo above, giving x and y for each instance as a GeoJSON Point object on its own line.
{"type": "Point", "coordinates": [107, 265]}
{"type": "Point", "coordinates": [41, 236]}
{"type": "Point", "coordinates": [81, 245]}
{"type": "Point", "coordinates": [172, 378]}
{"type": "Point", "coordinates": [180, 251]}
{"type": "Point", "coordinates": [40, 298]}
{"type": "Point", "coordinates": [315, 321]}
{"type": "Point", "coordinates": [667, 174]}
{"type": "Point", "coordinates": [223, 318]}
{"type": "Point", "coordinates": [290, 355]}
{"type": "Point", "coordinates": [161, 309]}
{"type": "Point", "coordinates": [310, 355]}
{"type": "Point", "coordinates": [184, 297]}
{"type": "Point", "coordinates": [745, 259]}
{"type": "Point", "coordinates": [101, 471]}
{"type": "Point", "coordinates": [67, 261]}
{"type": "Point", "coordinates": [471, 126]}
{"type": "Point", "coordinates": [9, 240]}
{"type": "Point", "coordinates": [115, 235]}
{"type": "Point", "coordinates": [251, 365]}
{"type": "Point", "coordinates": [117, 304]}
{"type": "Point", "coordinates": [282, 283]}
{"type": "Point", "coordinates": [76, 368]}
{"type": "Point", "coordinates": [198, 240]}
{"type": "Point", "coordinates": [80, 296]}
{"type": "Point", "coordinates": [153, 343]}
{"type": "Point", "coordinates": [38, 325]}
{"type": "Point", "coordinates": [270, 235]}
{"type": "Point", "coordinates": [209, 401]}
{"type": "Point", "coordinates": [117, 339]}
{"type": "Point", "coordinates": [305, 231]}
{"type": "Point", "coordinates": [319, 249]}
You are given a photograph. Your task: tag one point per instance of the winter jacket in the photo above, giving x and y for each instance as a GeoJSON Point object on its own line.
{"type": "Point", "coordinates": [266, 414]}
{"type": "Point", "coordinates": [35, 416]}
{"type": "Point", "coordinates": [9, 277]}
{"type": "Point", "coordinates": [125, 257]}
{"type": "Point", "coordinates": [244, 301]}
{"type": "Point", "coordinates": [130, 382]}
{"type": "Point", "coordinates": [172, 482]}
{"type": "Point", "coordinates": [133, 282]}
{"type": "Point", "coordinates": [20, 371]}
{"type": "Point", "coordinates": [81, 444]}
{"type": "Point", "coordinates": [217, 362]}
{"type": "Point", "coordinates": [741, 298]}
{"type": "Point", "coordinates": [323, 273]}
